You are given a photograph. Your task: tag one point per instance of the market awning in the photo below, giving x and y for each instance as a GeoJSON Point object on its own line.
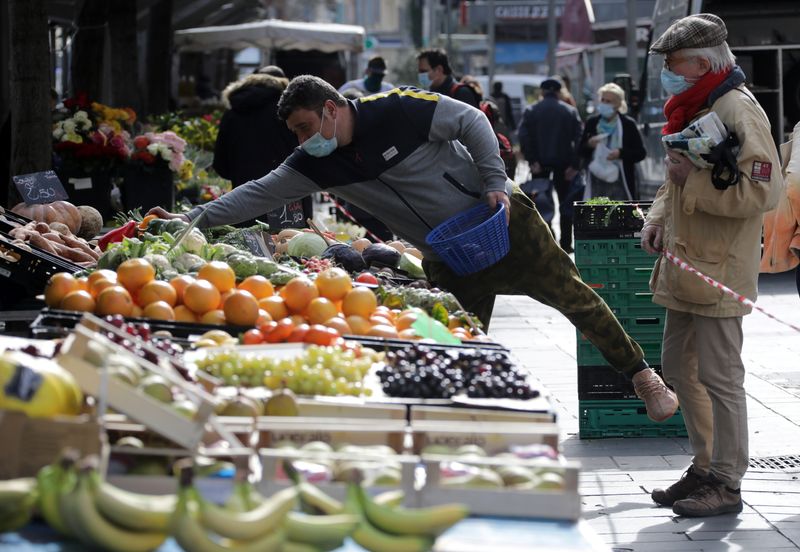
{"type": "Point", "coordinates": [274, 34]}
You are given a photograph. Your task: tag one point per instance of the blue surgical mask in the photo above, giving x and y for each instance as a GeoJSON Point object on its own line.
{"type": "Point", "coordinates": [424, 80]}
{"type": "Point", "coordinates": [606, 110]}
{"type": "Point", "coordinates": [673, 83]}
{"type": "Point", "coordinates": [318, 145]}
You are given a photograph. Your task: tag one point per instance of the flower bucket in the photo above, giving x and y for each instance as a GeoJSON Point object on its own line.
{"type": "Point", "coordinates": [472, 240]}
{"type": "Point", "coordinates": [88, 188]}
{"type": "Point", "coordinates": [147, 187]}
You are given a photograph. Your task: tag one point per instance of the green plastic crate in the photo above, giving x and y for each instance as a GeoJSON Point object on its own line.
{"type": "Point", "coordinates": [588, 355]}
{"type": "Point", "coordinates": [612, 252]}
{"type": "Point", "coordinates": [631, 303]}
{"type": "Point", "coordinates": [617, 278]}
{"type": "Point", "coordinates": [626, 418]}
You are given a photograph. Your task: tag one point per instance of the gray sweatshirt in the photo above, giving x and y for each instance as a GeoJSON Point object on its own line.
{"type": "Point", "coordinates": [416, 159]}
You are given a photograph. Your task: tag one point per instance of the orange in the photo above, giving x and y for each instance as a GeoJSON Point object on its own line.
{"type": "Point", "coordinates": [184, 314]}
{"type": "Point", "coordinates": [382, 330]}
{"type": "Point", "coordinates": [114, 300]}
{"type": "Point", "coordinates": [83, 283]}
{"type": "Point", "coordinates": [297, 319]}
{"type": "Point", "coordinates": [298, 293]}
{"type": "Point", "coordinates": [340, 324]}
{"type": "Point", "coordinates": [220, 274]}
{"type": "Point", "coordinates": [259, 286]}
{"type": "Point", "coordinates": [159, 310]}
{"type": "Point", "coordinates": [241, 308]}
{"type": "Point", "coordinates": [379, 320]}
{"type": "Point", "coordinates": [275, 306]}
{"type": "Point", "coordinates": [60, 284]}
{"type": "Point", "coordinates": [360, 301]}
{"type": "Point", "coordinates": [157, 290]}
{"type": "Point", "coordinates": [333, 283]}
{"type": "Point", "coordinates": [386, 312]}
{"type": "Point", "coordinates": [216, 317]}
{"type": "Point", "coordinates": [80, 300]}
{"type": "Point", "coordinates": [320, 310]}
{"type": "Point", "coordinates": [137, 311]}
{"type": "Point", "coordinates": [180, 283]}
{"type": "Point", "coordinates": [263, 317]}
{"type": "Point", "coordinates": [134, 273]}
{"type": "Point", "coordinates": [405, 320]}
{"type": "Point", "coordinates": [358, 324]}
{"type": "Point", "coordinates": [99, 285]}
{"type": "Point", "coordinates": [201, 296]}
{"type": "Point", "coordinates": [222, 298]}
{"type": "Point", "coordinates": [103, 274]}
{"type": "Point", "coordinates": [408, 333]}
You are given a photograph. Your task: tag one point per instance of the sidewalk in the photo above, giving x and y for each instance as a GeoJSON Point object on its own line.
{"type": "Point", "coordinates": [618, 474]}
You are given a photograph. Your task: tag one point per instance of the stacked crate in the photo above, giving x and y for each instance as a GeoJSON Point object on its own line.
{"type": "Point", "coordinates": [611, 260]}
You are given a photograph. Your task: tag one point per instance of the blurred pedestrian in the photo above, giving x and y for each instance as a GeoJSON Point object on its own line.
{"type": "Point", "coordinates": [710, 219]}
{"type": "Point", "coordinates": [252, 140]}
{"type": "Point", "coordinates": [436, 75]}
{"type": "Point", "coordinates": [549, 135]}
{"type": "Point", "coordinates": [614, 136]}
{"type": "Point", "coordinates": [782, 226]}
{"type": "Point", "coordinates": [503, 102]}
{"type": "Point", "coordinates": [372, 82]}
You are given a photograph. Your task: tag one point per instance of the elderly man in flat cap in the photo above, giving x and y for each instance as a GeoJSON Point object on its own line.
{"type": "Point", "coordinates": [711, 220]}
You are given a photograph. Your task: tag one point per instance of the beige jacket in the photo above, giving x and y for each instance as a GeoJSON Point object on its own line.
{"type": "Point", "coordinates": [782, 226]}
{"type": "Point", "coordinates": [719, 231]}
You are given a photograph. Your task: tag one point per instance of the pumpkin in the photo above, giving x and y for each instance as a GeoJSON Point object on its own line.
{"type": "Point", "coordinates": [91, 222]}
{"type": "Point", "coordinates": [58, 211]}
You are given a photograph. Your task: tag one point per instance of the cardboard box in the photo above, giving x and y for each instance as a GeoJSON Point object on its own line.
{"type": "Point", "coordinates": [31, 443]}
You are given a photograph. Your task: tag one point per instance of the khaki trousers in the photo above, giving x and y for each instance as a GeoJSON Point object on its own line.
{"type": "Point", "coordinates": [701, 358]}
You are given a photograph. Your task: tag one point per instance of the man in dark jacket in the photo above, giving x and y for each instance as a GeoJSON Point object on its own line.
{"type": "Point", "coordinates": [252, 140]}
{"type": "Point", "coordinates": [436, 75]}
{"type": "Point", "coordinates": [549, 135]}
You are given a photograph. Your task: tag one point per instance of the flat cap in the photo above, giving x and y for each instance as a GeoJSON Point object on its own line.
{"type": "Point", "coordinates": [377, 65]}
{"type": "Point", "coordinates": [695, 31]}
{"type": "Point", "coordinates": [552, 84]}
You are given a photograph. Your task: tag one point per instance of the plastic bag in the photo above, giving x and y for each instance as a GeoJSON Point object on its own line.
{"type": "Point", "coordinates": [542, 191]}
{"type": "Point", "coordinates": [601, 167]}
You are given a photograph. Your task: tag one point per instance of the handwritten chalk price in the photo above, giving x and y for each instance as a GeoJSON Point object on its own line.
{"type": "Point", "coordinates": [40, 187]}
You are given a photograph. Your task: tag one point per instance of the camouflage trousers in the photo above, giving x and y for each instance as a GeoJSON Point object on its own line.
{"type": "Point", "coordinates": [537, 267]}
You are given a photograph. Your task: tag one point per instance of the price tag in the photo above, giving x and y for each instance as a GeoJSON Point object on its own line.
{"type": "Point", "coordinates": [291, 215]}
{"type": "Point", "coordinates": [258, 243]}
{"type": "Point", "coordinates": [40, 187]}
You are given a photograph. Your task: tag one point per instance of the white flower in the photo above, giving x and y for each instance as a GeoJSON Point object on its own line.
{"type": "Point", "coordinates": [69, 126]}
{"type": "Point", "coordinates": [58, 132]}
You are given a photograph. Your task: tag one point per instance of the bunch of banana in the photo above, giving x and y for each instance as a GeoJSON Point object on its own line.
{"type": "Point", "coordinates": [17, 499]}
{"type": "Point", "coordinates": [37, 386]}
{"type": "Point", "coordinates": [385, 528]}
{"type": "Point", "coordinates": [81, 515]}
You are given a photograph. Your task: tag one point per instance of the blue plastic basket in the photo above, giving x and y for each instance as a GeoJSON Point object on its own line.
{"type": "Point", "coordinates": [472, 240]}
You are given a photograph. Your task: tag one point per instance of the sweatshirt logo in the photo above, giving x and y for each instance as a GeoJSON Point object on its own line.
{"type": "Point", "coordinates": [761, 171]}
{"type": "Point", "coordinates": [391, 152]}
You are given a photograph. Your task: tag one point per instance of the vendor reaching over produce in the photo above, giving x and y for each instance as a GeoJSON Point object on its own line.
{"type": "Point", "coordinates": [415, 159]}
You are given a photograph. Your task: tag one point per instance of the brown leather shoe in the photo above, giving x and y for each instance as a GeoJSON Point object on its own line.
{"type": "Point", "coordinates": [682, 488]}
{"type": "Point", "coordinates": [712, 498]}
{"type": "Point", "coordinates": [660, 401]}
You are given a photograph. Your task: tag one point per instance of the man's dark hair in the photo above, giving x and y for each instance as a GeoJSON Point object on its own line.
{"type": "Point", "coordinates": [497, 87]}
{"type": "Point", "coordinates": [436, 57]}
{"type": "Point", "coordinates": [307, 92]}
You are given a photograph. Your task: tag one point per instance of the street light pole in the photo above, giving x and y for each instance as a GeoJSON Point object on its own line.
{"type": "Point", "coordinates": [491, 48]}
{"type": "Point", "coordinates": [551, 37]}
{"type": "Point", "coordinates": [630, 39]}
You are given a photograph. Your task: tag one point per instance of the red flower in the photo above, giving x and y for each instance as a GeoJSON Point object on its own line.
{"type": "Point", "coordinates": [81, 101]}
{"type": "Point", "coordinates": [144, 156]}
{"type": "Point", "coordinates": [141, 142]}
{"type": "Point", "coordinates": [208, 117]}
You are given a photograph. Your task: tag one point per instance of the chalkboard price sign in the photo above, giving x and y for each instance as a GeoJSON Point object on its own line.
{"type": "Point", "coordinates": [258, 243]}
{"type": "Point", "coordinates": [40, 187]}
{"type": "Point", "coordinates": [291, 215]}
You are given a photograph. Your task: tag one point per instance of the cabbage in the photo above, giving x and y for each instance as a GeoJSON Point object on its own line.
{"type": "Point", "coordinates": [187, 262]}
{"type": "Point", "coordinates": [225, 249]}
{"type": "Point", "coordinates": [266, 266]}
{"type": "Point", "coordinates": [306, 244]}
{"type": "Point", "coordinates": [159, 262]}
{"type": "Point", "coordinates": [243, 265]}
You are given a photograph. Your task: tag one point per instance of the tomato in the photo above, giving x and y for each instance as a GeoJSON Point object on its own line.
{"type": "Point", "coordinates": [252, 337]}
{"type": "Point", "coordinates": [298, 334]}
{"type": "Point", "coordinates": [366, 278]}
{"type": "Point", "coordinates": [321, 335]}
{"type": "Point", "coordinates": [266, 327]}
{"type": "Point", "coordinates": [282, 330]}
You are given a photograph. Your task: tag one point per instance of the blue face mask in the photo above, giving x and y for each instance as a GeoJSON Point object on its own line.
{"type": "Point", "coordinates": [605, 110]}
{"type": "Point", "coordinates": [674, 84]}
{"type": "Point", "coordinates": [424, 80]}
{"type": "Point", "coordinates": [318, 145]}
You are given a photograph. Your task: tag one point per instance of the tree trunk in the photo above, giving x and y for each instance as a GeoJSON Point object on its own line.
{"type": "Point", "coordinates": [31, 122]}
{"type": "Point", "coordinates": [159, 57]}
{"type": "Point", "coordinates": [88, 46]}
{"type": "Point", "coordinates": [124, 55]}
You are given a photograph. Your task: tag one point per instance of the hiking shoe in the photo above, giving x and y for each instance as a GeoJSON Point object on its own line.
{"type": "Point", "coordinates": [711, 498]}
{"type": "Point", "coordinates": [682, 488]}
{"type": "Point", "coordinates": [660, 401]}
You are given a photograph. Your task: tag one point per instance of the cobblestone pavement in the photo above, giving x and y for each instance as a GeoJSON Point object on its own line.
{"type": "Point", "coordinates": [618, 474]}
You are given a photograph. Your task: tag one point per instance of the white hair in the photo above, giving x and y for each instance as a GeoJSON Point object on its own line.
{"type": "Point", "coordinates": [615, 89]}
{"type": "Point", "coordinates": [720, 57]}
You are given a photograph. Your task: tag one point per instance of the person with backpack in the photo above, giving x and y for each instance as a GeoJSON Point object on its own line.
{"type": "Point", "coordinates": [436, 75]}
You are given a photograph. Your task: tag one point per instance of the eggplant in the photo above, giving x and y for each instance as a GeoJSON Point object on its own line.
{"type": "Point", "coordinates": [380, 254]}
{"type": "Point", "coordinates": [345, 256]}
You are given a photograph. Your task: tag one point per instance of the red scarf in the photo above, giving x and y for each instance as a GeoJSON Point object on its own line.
{"type": "Point", "coordinates": [681, 108]}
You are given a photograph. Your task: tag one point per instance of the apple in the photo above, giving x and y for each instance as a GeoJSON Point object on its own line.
{"type": "Point", "coordinates": [158, 388]}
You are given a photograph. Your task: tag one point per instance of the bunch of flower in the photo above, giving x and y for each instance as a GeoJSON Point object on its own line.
{"type": "Point", "coordinates": [85, 140]}
{"type": "Point", "coordinates": [160, 148]}
{"type": "Point", "coordinates": [200, 132]}
{"type": "Point", "coordinates": [117, 118]}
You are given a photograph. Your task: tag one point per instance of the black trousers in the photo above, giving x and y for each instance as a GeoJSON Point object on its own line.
{"type": "Point", "coordinates": [562, 187]}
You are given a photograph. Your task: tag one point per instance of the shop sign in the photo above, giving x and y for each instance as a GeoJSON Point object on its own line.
{"type": "Point", "coordinates": [525, 11]}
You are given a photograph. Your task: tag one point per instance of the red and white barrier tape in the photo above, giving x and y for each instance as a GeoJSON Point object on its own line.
{"type": "Point", "coordinates": [683, 265]}
{"type": "Point", "coordinates": [346, 213]}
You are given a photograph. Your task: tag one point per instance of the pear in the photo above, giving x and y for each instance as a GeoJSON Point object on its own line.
{"type": "Point", "coordinates": [186, 408]}
{"type": "Point", "coordinates": [241, 406]}
{"type": "Point", "coordinates": [282, 403]}
{"type": "Point", "coordinates": [473, 450]}
{"type": "Point", "coordinates": [157, 387]}
{"type": "Point", "coordinates": [514, 475]}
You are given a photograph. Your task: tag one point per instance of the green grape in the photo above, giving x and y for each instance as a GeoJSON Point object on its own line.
{"type": "Point", "coordinates": [272, 381]}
